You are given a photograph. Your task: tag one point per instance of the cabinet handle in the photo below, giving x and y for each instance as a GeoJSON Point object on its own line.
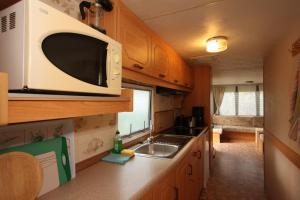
{"type": "Point", "coordinates": [175, 81]}
{"type": "Point", "coordinates": [199, 154]}
{"type": "Point", "coordinates": [162, 75]}
{"type": "Point", "coordinates": [176, 193]}
{"type": "Point", "coordinates": [186, 84]}
{"type": "Point", "coordinates": [138, 66]}
{"type": "Point", "coordinates": [190, 173]}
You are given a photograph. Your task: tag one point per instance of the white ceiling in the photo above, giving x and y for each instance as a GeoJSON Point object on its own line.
{"type": "Point", "coordinates": [252, 27]}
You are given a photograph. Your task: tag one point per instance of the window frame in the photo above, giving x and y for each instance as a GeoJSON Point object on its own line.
{"type": "Point", "coordinates": [259, 87]}
{"type": "Point", "coordinates": [145, 131]}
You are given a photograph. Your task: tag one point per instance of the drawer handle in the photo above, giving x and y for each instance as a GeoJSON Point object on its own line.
{"type": "Point", "coordinates": [138, 66]}
{"type": "Point", "coordinates": [190, 173]}
{"type": "Point", "coordinates": [176, 193]}
{"type": "Point", "coordinates": [199, 154]}
{"type": "Point", "coordinates": [175, 81]}
{"type": "Point", "coordinates": [162, 75]}
{"type": "Point", "coordinates": [195, 154]}
{"type": "Point", "coordinates": [186, 84]}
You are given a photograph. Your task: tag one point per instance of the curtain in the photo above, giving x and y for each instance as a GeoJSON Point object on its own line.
{"type": "Point", "coordinates": [294, 133]}
{"type": "Point", "coordinates": [218, 92]}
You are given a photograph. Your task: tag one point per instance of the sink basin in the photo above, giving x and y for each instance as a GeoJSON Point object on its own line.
{"type": "Point", "coordinates": [157, 150]}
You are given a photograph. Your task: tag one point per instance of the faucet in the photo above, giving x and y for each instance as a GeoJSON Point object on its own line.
{"type": "Point", "coordinates": [150, 138]}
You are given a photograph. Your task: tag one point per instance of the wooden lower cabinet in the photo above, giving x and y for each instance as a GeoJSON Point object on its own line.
{"type": "Point", "coordinates": [166, 189]}
{"type": "Point", "coordinates": [148, 196]}
{"type": "Point", "coordinates": [186, 181]}
{"type": "Point", "coordinates": [189, 175]}
{"type": "Point", "coordinates": [197, 161]}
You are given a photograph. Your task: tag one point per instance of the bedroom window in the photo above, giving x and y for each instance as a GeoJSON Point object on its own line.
{"type": "Point", "coordinates": [139, 120]}
{"type": "Point", "coordinates": [228, 106]}
{"type": "Point", "coordinates": [243, 100]}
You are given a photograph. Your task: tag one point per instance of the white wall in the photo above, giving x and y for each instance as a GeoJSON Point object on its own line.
{"type": "Point", "coordinates": [282, 177]}
{"type": "Point", "coordinates": [237, 76]}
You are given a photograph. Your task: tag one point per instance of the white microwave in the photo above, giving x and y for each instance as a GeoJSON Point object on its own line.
{"type": "Point", "coordinates": [44, 50]}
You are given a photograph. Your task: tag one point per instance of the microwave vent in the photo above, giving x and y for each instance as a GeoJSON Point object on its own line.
{"type": "Point", "coordinates": [3, 24]}
{"type": "Point", "coordinates": [12, 20]}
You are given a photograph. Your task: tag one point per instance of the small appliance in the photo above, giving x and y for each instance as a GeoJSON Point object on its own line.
{"type": "Point", "coordinates": [198, 116]}
{"type": "Point", "coordinates": [44, 50]}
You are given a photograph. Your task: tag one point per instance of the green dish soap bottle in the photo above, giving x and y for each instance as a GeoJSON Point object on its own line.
{"type": "Point", "coordinates": [118, 144]}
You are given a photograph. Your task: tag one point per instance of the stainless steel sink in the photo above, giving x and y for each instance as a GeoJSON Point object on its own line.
{"type": "Point", "coordinates": [163, 146]}
{"type": "Point", "coordinates": [157, 150]}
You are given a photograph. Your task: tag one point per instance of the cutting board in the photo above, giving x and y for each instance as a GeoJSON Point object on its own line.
{"type": "Point", "coordinates": [48, 164]}
{"type": "Point", "coordinates": [20, 176]}
{"type": "Point", "coordinates": [57, 145]}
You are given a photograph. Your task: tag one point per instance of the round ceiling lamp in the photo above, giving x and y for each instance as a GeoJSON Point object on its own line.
{"type": "Point", "coordinates": [216, 44]}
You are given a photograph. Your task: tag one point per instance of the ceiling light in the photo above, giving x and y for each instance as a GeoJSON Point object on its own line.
{"type": "Point", "coordinates": [216, 44]}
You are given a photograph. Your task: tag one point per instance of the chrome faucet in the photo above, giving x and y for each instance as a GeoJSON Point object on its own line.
{"type": "Point", "coordinates": [150, 138]}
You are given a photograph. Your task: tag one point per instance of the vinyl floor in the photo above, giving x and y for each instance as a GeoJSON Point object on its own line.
{"type": "Point", "coordinates": [237, 173]}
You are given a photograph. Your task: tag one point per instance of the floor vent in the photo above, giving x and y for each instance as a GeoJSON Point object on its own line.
{"type": "Point", "coordinates": [12, 20]}
{"type": "Point", "coordinates": [3, 24]}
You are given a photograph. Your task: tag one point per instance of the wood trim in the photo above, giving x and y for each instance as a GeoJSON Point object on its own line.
{"type": "Point", "coordinates": [293, 156]}
{"type": "Point", "coordinates": [90, 161]}
{"type": "Point", "coordinates": [135, 77]}
{"type": "Point", "coordinates": [3, 99]}
{"type": "Point", "coordinates": [20, 111]}
{"type": "Point", "coordinates": [233, 135]}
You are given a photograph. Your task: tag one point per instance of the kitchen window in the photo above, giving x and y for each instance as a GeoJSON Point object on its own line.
{"type": "Point", "coordinates": [242, 100]}
{"type": "Point", "coordinates": [130, 123]}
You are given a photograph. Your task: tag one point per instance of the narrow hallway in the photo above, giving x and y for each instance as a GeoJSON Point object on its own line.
{"type": "Point", "coordinates": [238, 173]}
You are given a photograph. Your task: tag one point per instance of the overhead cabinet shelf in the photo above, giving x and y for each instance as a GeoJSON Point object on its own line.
{"type": "Point", "coordinates": [37, 109]}
{"type": "Point", "coordinates": [30, 109]}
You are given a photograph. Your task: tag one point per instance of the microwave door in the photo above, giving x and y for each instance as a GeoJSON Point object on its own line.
{"type": "Point", "coordinates": [80, 56]}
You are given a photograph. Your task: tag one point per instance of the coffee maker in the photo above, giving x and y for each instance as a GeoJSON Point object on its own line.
{"type": "Point", "coordinates": [198, 116]}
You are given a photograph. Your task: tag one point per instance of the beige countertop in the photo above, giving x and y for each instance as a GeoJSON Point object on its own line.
{"type": "Point", "coordinates": [108, 181]}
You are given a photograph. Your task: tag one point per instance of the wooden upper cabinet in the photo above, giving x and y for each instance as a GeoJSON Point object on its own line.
{"type": "Point", "coordinates": [179, 72]}
{"type": "Point", "coordinates": [187, 75]}
{"type": "Point", "coordinates": [160, 59]}
{"type": "Point", "coordinates": [175, 69]}
{"type": "Point", "coordinates": [135, 40]}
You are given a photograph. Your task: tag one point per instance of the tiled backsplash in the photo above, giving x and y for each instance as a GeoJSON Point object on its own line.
{"type": "Point", "coordinates": [28, 133]}
{"type": "Point", "coordinates": [94, 135]}
{"type": "Point", "coordinates": [70, 7]}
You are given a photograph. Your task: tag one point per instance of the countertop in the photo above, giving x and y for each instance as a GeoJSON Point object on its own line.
{"type": "Point", "coordinates": [108, 181]}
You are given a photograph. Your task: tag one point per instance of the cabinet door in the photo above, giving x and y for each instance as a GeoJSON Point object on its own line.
{"type": "Point", "coordinates": [187, 75]}
{"type": "Point", "coordinates": [185, 182]}
{"type": "Point", "coordinates": [160, 59]}
{"type": "Point", "coordinates": [148, 196]}
{"type": "Point", "coordinates": [175, 69]}
{"type": "Point", "coordinates": [166, 190]}
{"type": "Point", "coordinates": [197, 162]}
{"type": "Point", "coordinates": [135, 40]}
{"type": "Point", "coordinates": [200, 163]}
{"type": "Point", "coordinates": [196, 173]}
